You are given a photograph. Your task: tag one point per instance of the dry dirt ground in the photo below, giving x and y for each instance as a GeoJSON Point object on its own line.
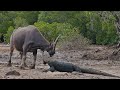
{"type": "Point", "coordinates": [97, 57]}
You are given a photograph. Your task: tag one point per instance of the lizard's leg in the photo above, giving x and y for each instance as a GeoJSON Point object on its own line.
{"type": "Point", "coordinates": [52, 69]}
{"type": "Point", "coordinates": [77, 69]}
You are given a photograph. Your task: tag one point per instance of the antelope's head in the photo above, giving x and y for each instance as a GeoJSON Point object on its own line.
{"type": "Point", "coordinates": [51, 48]}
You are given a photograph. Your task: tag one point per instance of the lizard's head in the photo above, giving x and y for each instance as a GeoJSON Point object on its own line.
{"type": "Point", "coordinates": [45, 62]}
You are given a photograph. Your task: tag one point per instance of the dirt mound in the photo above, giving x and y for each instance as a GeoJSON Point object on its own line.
{"type": "Point", "coordinates": [115, 55]}
{"type": "Point", "coordinates": [14, 72]}
{"type": "Point", "coordinates": [103, 53]}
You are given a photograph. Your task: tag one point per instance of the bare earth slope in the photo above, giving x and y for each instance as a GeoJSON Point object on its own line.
{"type": "Point", "coordinates": [97, 57]}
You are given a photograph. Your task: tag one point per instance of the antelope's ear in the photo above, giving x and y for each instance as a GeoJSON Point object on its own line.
{"type": "Point", "coordinates": [50, 46]}
{"type": "Point", "coordinates": [51, 43]}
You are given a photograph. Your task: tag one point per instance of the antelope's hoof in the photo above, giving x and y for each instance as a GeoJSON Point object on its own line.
{"type": "Point", "coordinates": [25, 65]}
{"type": "Point", "coordinates": [32, 67]}
{"type": "Point", "coordinates": [45, 70]}
{"type": "Point", "coordinates": [115, 53]}
{"type": "Point", "coordinates": [22, 67]}
{"type": "Point", "coordinates": [44, 62]}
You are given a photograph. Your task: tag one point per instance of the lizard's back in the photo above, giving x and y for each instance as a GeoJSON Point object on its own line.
{"type": "Point", "coordinates": [62, 66]}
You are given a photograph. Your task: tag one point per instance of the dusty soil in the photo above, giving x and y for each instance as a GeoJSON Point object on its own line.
{"type": "Point", "coordinates": [97, 57]}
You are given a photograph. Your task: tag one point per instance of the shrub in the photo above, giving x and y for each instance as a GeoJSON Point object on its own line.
{"type": "Point", "coordinates": [76, 42]}
{"type": "Point", "coordinates": [8, 34]}
{"type": "Point", "coordinates": [70, 38]}
{"type": "Point", "coordinates": [51, 31]}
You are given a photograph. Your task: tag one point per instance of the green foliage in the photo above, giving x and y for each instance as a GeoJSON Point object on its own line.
{"type": "Point", "coordinates": [30, 16]}
{"type": "Point", "coordinates": [5, 22]}
{"type": "Point", "coordinates": [8, 34]}
{"type": "Point", "coordinates": [97, 26]}
{"type": "Point", "coordinates": [16, 19]}
{"type": "Point", "coordinates": [20, 22]}
{"type": "Point", "coordinates": [74, 41]}
{"type": "Point", "coordinates": [107, 35]}
{"type": "Point", "coordinates": [51, 31]}
{"type": "Point", "coordinates": [91, 24]}
{"type": "Point", "coordinates": [69, 35]}
{"type": "Point", "coordinates": [52, 16]}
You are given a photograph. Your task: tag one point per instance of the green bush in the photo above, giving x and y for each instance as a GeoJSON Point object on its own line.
{"type": "Point", "coordinates": [76, 42]}
{"type": "Point", "coordinates": [70, 38]}
{"type": "Point", "coordinates": [20, 22]}
{"type": "Point", "coordinates": [51, 31]}
{"type": "Point", "coordinates": [107, 34]}
{"type": "Point", "coordinates": [8, 34]}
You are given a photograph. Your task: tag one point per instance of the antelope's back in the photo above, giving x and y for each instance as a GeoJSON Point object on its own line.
{"type": "Point", "coordinates": [19, 36]}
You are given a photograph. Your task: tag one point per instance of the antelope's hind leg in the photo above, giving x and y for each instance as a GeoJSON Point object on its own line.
{"type": "Point", "coordinates": [11, 53]}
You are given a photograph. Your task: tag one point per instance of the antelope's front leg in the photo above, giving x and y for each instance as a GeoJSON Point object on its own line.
{"type": "Point", "coordinates": [22, 66]}
{"type": "Point", "coordinates": [21, 55]}
{"type": "Point", "coordinates": [34, 56]}
{"type": "Point", "coordinates": [26, 47]}
{"type": "Point", "coordinates": [43, 57]}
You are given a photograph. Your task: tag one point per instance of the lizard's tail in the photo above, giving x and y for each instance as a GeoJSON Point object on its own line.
{"type": "Point", "coordinates": [98, 72]}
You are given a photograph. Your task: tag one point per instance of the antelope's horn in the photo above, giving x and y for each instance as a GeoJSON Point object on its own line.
{"type": "Point", "coordinates": [56, 40]}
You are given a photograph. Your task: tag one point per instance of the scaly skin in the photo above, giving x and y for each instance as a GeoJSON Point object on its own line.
{"type": "Point", "coordinates": [69, 67]}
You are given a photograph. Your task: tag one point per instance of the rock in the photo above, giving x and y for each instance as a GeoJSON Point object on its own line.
{"type": "Point", "coordinates": [0, 56]}
{"type": "Point", "coordinates": [14, 72]}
